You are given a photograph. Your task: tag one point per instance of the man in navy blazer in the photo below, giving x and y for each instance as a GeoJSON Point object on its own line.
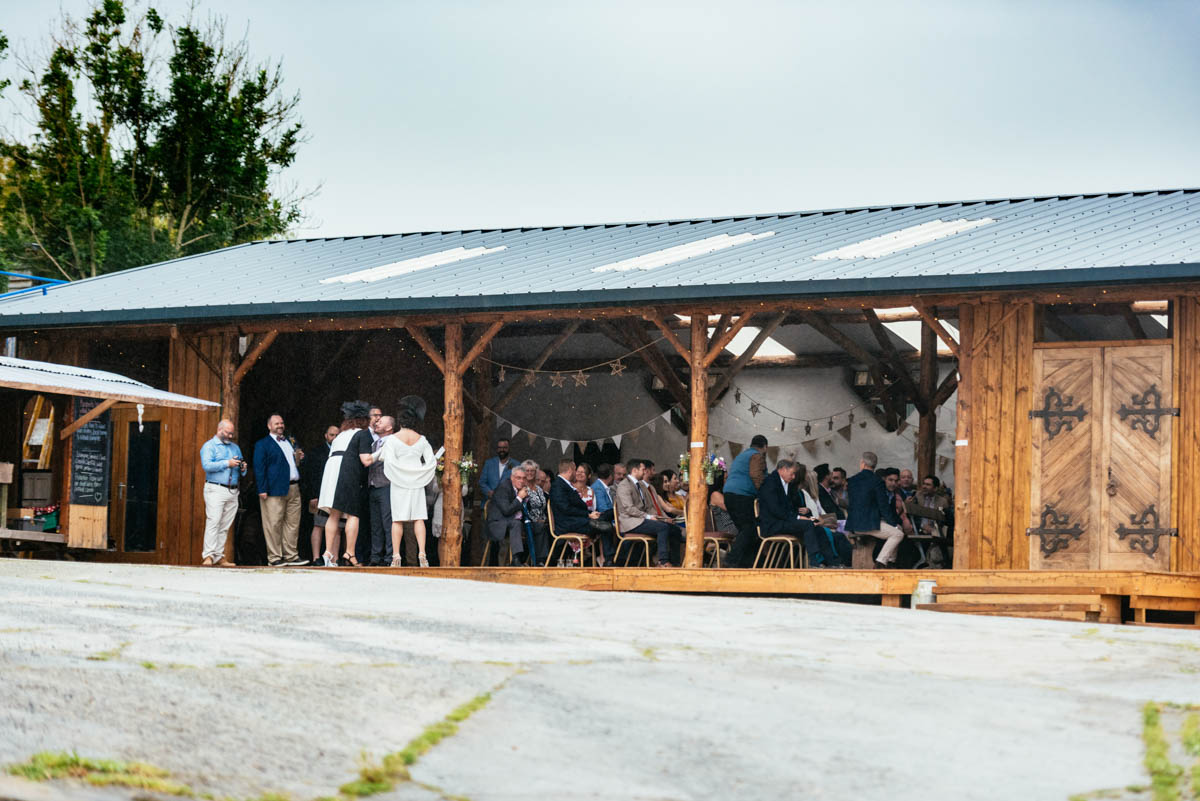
{"type": "Point", "coordinates": [870, 509]}
{"type": "Point", "coordinates": [495, 470]}
{"type": "Point", "coordinates": [277, 475]}
{"type": "Point", "coordinates": [571, 515]}
{"type": "Point", "coordinates": [781, 510]}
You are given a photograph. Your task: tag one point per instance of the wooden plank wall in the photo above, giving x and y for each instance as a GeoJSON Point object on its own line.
{"type": "Point", "coordinates": [1185, 491]}
{"type": "Point", "coordinates": [991, 535]}
{"type": "Point", "coordinates": [181, 481]}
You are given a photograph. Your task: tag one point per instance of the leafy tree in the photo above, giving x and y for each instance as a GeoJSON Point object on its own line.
{"type": "Point", "coordinates": [133, 159]}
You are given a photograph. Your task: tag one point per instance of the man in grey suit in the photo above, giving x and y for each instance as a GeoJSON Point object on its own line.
{"type": "Point", "coordinates": [636, 516]}
{"type": "Point", "coordinates": [505, 517]}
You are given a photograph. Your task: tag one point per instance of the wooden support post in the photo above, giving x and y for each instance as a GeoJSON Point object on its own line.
{"type": "Point", "coordinates": [452, 501]}
{"type": "Point", "coordinates": [230, 390]}
{"type": "Point", "coordinates": [481, 445]}
{"type": "Point", "coordinates": [697, 500]}
{"type": "Point", "coordinates": [669, 335]}
{"type": "Point", "coordinates": [962, 442]}
{"type": "Point", "coordinates": [927, 425]}
{"type": "Point", "coordinates": [260, 347]}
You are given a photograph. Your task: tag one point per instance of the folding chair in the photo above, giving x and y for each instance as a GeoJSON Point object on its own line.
{"type": "Point", "coordinates": [776, 546]}
{"type": "Point", "coordinates": [630, 539]}
{"type": "Point", "coordinates": [585, 541]}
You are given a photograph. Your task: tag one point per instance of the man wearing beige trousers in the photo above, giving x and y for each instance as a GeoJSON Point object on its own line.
{"type": "Point", "coordinates": [277, 459]}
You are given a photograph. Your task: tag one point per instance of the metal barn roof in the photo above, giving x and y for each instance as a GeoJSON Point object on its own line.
{"type": "Point", "coordinates": [959, 246]}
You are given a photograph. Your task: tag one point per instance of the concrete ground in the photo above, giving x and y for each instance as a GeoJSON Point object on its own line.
{"type": "Point", "coordinates": [245, 681]}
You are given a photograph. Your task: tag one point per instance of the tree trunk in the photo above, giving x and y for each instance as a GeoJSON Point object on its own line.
{"type": "Point", "coordinates": [450, 548]}
{"type": "Point", "coordinates": [697, 501]}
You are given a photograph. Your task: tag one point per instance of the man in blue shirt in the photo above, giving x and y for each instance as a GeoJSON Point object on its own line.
{"type": "Point", "coordinates": [495, 470]}
{"type": "Point", "coordinates": [223, 466]}
{"type": "Point", "coordinates": [601, 489]}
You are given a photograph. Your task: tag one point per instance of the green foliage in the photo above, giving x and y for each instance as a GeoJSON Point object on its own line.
{"type": "Point", "coordinates": [99, 772]}
{"type": "Point", "coordinates": [134, 159]}
{"type": "Point", "coordinates": [1164, 774]}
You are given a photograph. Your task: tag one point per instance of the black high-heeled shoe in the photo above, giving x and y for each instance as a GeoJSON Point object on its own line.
{"type": "Point", "coordinates": [352, 560]}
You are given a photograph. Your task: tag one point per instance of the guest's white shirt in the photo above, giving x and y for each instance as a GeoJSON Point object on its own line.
{"type": "Point", "coordinates": [289, 453]}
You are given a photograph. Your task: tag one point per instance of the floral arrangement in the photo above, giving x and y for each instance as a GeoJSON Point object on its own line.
{"type": "Point", "coordinates": [712, 466]}
{"type": "Point", "coordinates": [467, 467]}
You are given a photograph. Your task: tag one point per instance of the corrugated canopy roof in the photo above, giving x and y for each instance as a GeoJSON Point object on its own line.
{"type": "Point", "coordinates": [65, 379]}
{"type": "Point", "coordinates": [961, 246]}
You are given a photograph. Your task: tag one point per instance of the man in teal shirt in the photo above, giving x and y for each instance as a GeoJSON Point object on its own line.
{"type": "Point", "coordinates": [746, 475]}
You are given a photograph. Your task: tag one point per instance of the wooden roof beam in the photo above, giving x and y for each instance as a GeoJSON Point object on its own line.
{"type": "Point", "coordinates": [259, 348]}
{"type": "Point", "coordinates": [933, 322]}
{"type": "Point", "coordinates": [893, 356]}
{"type": "Point", "coordinates": [744, 358]}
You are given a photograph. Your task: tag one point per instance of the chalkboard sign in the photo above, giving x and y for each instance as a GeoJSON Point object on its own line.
{"type": "Point", "coordinates": [90, 456]}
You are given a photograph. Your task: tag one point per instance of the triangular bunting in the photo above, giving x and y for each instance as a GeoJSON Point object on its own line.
{"type": "Point", "coordinates": [617, 439]}
{"type": "Point", "coordinates": [942, 462]}
{"type": "Point", "coordinates": [564, 444]}
{"type": "Point", "coordinates": [581, 444]}
{"type": "Point", "coordinates": [845, 432]}
{"type": "Point", "coordinates": [515, 429]}
{"type": "Point", "coordinates": [532, 437]}
{"type": "Point", "coordinates": [735, 448]}
{"type": "Point", "coordinates": [547, 441]}
{"type": "Point", "coordinates": [773, 453]}
{"type": "Point", "coordinates": [666, 416]}
{"type": "Point", "coordinates": [500, 421]}
{"type": "Point", "coordinates": [650, 425]}
{"type": "Point", "coordinates": [810, 446]}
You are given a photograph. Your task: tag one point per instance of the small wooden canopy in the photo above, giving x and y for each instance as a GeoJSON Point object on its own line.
{"type": "Point", "coordinates": [62, 379]}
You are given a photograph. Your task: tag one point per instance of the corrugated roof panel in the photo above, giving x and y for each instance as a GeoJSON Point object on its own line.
{"type": "Point", "coordinates": [1133, 236]}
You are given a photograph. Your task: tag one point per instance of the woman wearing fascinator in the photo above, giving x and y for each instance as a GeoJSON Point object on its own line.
{"type": "Point", "coordinates": [409, 464]}
{"type": "Point", "coordinates": [344, 483]}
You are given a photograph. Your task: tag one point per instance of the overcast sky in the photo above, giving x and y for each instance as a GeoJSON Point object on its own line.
{"type": "Point", "coordinates": [447, 115]}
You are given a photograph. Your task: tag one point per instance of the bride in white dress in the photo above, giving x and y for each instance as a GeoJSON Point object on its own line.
{"type": "Point", "coordinates": [409, 464]}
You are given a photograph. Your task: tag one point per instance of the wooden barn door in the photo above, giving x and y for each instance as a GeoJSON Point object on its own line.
{"type": "Point", "coordinates": [1136, 455]}
{"type": "Point", "coordinates": [1101, 471]}
{"type": "Point", "coordinates": [1067, 442]}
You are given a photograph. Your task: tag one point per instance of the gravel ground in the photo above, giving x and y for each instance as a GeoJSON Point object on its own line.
{"type": "Point", "coordinates": [245, 681]}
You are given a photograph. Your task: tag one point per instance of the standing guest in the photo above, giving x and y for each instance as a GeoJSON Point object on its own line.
{"type": "Point", "coordinates": [222, 462]}
{"type": "Point", "coordinates": [746, 475]}
{"type": "Point", "coordinates": [636, 515]}
{"type": "Point", "coordinates": [379, 490]}
{"type": "Point", "coordinates": [277, 460]}
{"type": "Point", "coordinates": [409, 463]}
{"type": "Point", "coordinates": [344, 485]}
{"type": "Point", "coordinates": [535, 508]}
{"type": "Point", "coordinates": [313, 470]}
{"type": "Point", "coordinates": [619, 473]}
{"type": "Point", "coordinates": [571, 514]}
{"type": "Point", "coordinates": [375, 416]}
{"type": "Point", "coordinates": [494, 471]}
{"type": "Point", "coordinates": [506, 518]}
{"type": "Point", "coordinates": [871, 510]}
{"type": "Point", "coordinates": [600, 489]}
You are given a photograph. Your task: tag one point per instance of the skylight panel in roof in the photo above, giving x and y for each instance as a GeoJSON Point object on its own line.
{"type": "Point", "coordinates": [700, 247]}
{"type": "Point", "coordinates": [411, 265]}
{"type": "Point", "coordinates": [905, 238]}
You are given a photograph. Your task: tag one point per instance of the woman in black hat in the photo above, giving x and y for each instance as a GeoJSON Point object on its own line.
{"type": "Point", "coordinates": [409, 464]}
{"type": "Point", "coordinates": [344, 484]}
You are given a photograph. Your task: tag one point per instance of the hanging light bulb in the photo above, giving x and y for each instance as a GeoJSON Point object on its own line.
{"type": "Point", "coordinates": [807, 428]}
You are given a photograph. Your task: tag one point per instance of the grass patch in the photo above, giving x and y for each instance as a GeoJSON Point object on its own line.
{"type": "Point", "coordinates": [226, 665]}
{"type": "Point", "coordinates": [112, 653]}
{"type": "Point", "coordinates": [650, 653]}
{"type": "Point", "coordinates": [99, 772]}
{"type": "Point", "coordinates": [149, 666]}
{"type": "Point", "coordinates": [1164, 774]}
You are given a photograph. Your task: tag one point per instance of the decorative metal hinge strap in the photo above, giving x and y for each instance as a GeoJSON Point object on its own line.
{"type": "Point", "coordinates": [1148, 409]}
{"type": "Point", "coordinates": [1055, 414]}
{"type": "Point", "coordinates": [1055, 531]}
{"type": "Point", "coordinates": [1144, 531]}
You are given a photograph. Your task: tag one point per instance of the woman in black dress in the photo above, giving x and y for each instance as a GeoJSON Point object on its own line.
{"type": "Point", "coordinates": [349, 495]}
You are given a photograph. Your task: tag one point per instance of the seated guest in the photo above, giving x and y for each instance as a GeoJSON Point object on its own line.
{"type": "Point", "coordinates": [664, 496]}
{"type": "Point", "coordinates": [826, 481]}
{"type": "Point", "coordinates": [872, 512]}
{"type": "Point", "coordinates": [839, 552]}
{"type": "Point", "coordinates": [781, 510]}
{"type": "Point", "coordinates": [583, 485]}
{"type": "Point", "coordinates": [907, 484]}
{"type": "Point", "coordinates": [929, 497]}
{"type": "Point", "coordinates": [535, 509]}
{"type": "Point", "coordinates": [544, 480]}
{"type": "Point", "coordinates": [636, 514]}
{"type": "Point", "coordinates": [671, 490]}
{"type": "Point", "coordinates": [571, 514]}
{"type": "Point", "coordinates": [716, 502]}
{"type": "Point", "coordinates": [601, 489]}
{"type": "Point", "coordinates": [506, 518]}
{"type": "Point", "coordinates": [891, 482]}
